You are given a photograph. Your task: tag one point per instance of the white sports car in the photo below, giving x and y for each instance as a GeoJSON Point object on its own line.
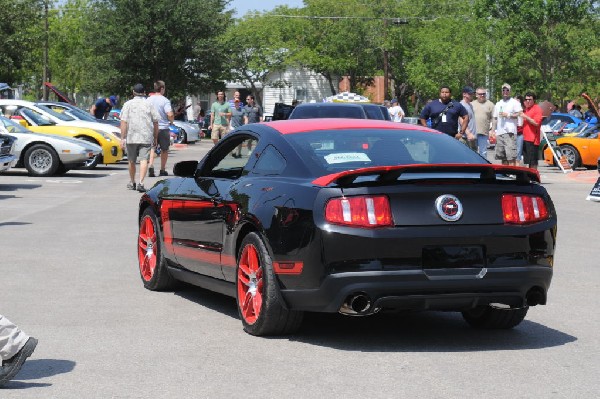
{"type": "Point", "coordinates": [190, 132]}
{"type": "Point", "coordinates": [47, 154]}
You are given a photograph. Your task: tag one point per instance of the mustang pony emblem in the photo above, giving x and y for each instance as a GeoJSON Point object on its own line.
{"type": "Point", "coordinates": [449, 207]}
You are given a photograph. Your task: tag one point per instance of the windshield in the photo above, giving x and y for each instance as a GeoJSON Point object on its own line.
{"type": "Point", "coordinates": [328, 152]}
{"type": "Point", "coordinates": [80, 114]}
{"type": "Point", "coordinates": [12, 126]}
{"type": "Point", "coordinates": [327, 111]}
{"type": "Point", "coordinates": [35, 117]}
{"type": "Point", "coordinates": [58, 115]}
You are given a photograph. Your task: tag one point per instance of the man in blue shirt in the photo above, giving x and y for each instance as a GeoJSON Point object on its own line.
{"type": "Point", "coordinates": [444, 113]}
{"type": "Point", "coordinates": [103, 106]}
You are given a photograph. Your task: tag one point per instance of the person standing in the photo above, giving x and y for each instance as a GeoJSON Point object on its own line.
{"type": "Point", "coordinates": [15, 348]}
{"type": "Point", "coordinates": [236, 96]}
{"type": "Point", "coordinates": [532, 122]}
{"type": "Point", "coordinates": [444, 113]}
{"type": "Point", "coordinates": [237, 120]}
{"type": "Point", "coordinates": [102, 107]}
{"type": "Point", "coordinates": [396, 112]}
{"type": "Point", "coordinates": [165, 112]}
{"type": "Point", "coordinates": [506, 114]}
{"type": "Point", "coordinates": [469, 138]}
{"type": "Point", "coordinates": [220, 114]}
{"type": "Point", "coordinates": [139, 131]}
{"type": "Point", "coordinates": [483, 109]}
{"type": "Point", "coordinates": [252, 112]}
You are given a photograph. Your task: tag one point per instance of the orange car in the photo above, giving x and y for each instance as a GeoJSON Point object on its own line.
{"type": "Point", "coordinates": [579, 150]}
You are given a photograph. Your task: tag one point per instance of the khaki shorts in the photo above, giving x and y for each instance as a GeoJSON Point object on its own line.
{"type": "Point", "coordinates": [138, 152]}
{"type": "Point", "coordinates": [219, 131]}
{"type": "Point", "coordinates": [506, 147]}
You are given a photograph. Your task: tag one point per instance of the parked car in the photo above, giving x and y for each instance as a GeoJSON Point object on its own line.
{"type": "Point", "coordinates": [189, 132]}
{"type": "Point", "coordinates": [340, 110]}
{"type": "Point", "coordinates": [352, 216]}
{"type": "Point", "coordinates": [7, 151]}
{"type": "Point", "coordinates": [37, 121]}
{"type": "Point", "coordinates": [80, 114]}
{"type": "Point", "coordinates": [571, 121]}
{"type": "Point", "coordinates": [582, 150]}
{"type": "Point", "coordinates": [48, 154]}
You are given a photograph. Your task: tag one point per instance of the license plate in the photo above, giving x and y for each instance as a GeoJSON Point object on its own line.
{"type": "Point", "coordinates": [443, 257]}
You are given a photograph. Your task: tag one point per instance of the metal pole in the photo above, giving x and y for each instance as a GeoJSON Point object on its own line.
{"type": "Point", "coordinates": [46, 72]}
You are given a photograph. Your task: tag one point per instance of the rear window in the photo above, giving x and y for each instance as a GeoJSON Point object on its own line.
{"type": "Point", "coordinates": [310, 112]}
{"type": "Point", "coordinates": [334, 151]}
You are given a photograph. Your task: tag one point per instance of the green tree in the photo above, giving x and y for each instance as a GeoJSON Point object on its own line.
{"type": "Point", "coordinates": [20, 35]}
{"type": "Point", "coordinates": [146, 40]}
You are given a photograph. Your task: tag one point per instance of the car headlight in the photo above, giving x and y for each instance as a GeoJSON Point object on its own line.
{"type": "Point", "coordinates": [106, 136]}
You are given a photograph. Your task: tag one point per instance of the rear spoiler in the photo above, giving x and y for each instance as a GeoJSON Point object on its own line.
{"type": "Point", "coordinates": [391, 173]}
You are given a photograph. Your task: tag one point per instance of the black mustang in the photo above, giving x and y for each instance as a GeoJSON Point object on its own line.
{"type": "Point", "coordinates": [351, 216]}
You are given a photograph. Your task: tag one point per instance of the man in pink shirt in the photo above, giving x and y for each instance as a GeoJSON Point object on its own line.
{"type": "Point", "coordinates": [532, 121]}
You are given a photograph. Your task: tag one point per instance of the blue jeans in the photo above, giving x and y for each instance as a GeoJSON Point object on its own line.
{"type": "Point", "coordinates": [519, 147]}
{"type": "Point", "coordinates": [482, 143]}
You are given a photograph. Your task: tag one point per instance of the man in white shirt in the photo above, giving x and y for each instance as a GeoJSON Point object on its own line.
{"type": "Point", "coordinates": [506, 115]}
{"type": "Point", "coordinates": [396, 111]}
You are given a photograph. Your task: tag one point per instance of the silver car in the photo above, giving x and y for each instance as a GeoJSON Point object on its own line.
{"type": "Point", "coordinates": [47, 154]}
{"type": "Point", "coordinates": [190, 132]}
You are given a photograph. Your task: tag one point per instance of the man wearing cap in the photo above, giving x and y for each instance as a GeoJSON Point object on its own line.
{"type": "Point", "coordinates": [506, 115]}
{"type": "Point", "coordinates": [469, 137]}
{"type": "Point", "coordinates": [102, 107]}
{"type": "Point", "coordinates": [396, 112]}
{"type": "Point", "coordinates": [139, 131]}
{"type": "Point", "coordinates": [444, 113]}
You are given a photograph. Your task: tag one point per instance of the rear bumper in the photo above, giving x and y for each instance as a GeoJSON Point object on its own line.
{"type": "Point", "coordinates": [436, 289]}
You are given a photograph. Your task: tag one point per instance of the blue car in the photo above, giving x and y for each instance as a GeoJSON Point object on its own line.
{"type": "Point", "coordinates": [572, 121]}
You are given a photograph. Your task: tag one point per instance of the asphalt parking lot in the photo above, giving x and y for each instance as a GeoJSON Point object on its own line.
{"type": "Point", "coordinates": [68, 275]}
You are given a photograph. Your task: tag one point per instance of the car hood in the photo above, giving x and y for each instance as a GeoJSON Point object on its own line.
{"type": "Point", "coordinates": [103, 127]}
{"type": "Point", "coordinates": [186, 125]}
{"type": "Point", "coordinates": [60, 142]}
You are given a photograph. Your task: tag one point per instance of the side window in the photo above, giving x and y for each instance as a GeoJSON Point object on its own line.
{"type": "Point", "coordinates": [270, 163]}
{"type": "Point", "coordinates": [230, 160]}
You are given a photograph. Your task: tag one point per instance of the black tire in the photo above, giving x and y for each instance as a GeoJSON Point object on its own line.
{"type": "Point", "coordinates": [62, 169]}
{"type": "Point", "coordinates": [92, 163]}
{"type": "Point", "coordinates": [152, 264]}
{"type": "Point", "coordinates": [182, 138]}
{"type": "Point", "coordinates": [571, 154]}
{"type": "Point", "coordinates": [489, 317]}
{"type": "Point", "coordinates": [41, 160]}
{"type": "Point", "coordinates": [258, 298]}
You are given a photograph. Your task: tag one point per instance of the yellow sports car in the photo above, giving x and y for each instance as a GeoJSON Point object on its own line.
{"type": "Point", "coordinates": [36, 121]}
{"type": "Point", "coordinates": [582, 150]}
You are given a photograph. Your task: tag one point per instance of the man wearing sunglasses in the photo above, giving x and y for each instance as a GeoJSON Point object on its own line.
{"type": "Point", "coordinates": [484, 112]}
{"type": "Point", "coordinates": [532, 122]}
{"type": "Point", "coordinates": [506, 114]}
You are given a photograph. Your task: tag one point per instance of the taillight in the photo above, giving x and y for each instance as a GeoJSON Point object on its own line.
{"type": "Point", "coordinates": [523, 209]}
{"type": "Point", "coordinates": [361, 211]}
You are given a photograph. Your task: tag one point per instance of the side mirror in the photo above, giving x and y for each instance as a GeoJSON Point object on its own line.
{"type": "Point", "coordinates": [185, 168]}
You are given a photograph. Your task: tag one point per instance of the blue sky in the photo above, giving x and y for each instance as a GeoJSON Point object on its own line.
{"type": "Point", "coordinates": [243, 6]}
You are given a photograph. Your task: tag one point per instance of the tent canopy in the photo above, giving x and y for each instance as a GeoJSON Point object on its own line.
{"type": "Point", "coordinates": [346, 97]}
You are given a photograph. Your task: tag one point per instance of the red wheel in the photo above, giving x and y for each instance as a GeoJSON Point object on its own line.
{"type": "Point", "coordinates": [250, 284]}
{"type": "Point", "coordinates": [259, 300]}
{"type": "Point", "coordinates": [153, 267]}
{"type": "Point", "coordinates": [146, 244]}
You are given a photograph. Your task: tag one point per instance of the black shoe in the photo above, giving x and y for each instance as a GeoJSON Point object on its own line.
{"type": "Point", "coordinates": [11, 367]}
{"type": "Point", "coordinates": [131, 185]}
{"type": "Point", "coordinates": [141, 188]}
{"type": "Point", "coordinates": [163, 173]}
{"type": "Point", "coordinates": [151, 172]}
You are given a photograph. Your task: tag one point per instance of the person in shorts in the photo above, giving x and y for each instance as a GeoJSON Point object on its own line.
{"type": "Point", "coordinates": [163, 107]}
{"type": "Point", "coordinates": [139, 132]}
{"type": "Point", "coordinates": [506, 114]}
{"type": "Point", "coordinates": [220, 115]}
{"type": "Point", "coordinates": [532, 123]}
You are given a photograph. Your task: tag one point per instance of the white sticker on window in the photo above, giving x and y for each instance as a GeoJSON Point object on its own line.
{"type": "Point", "coordinates": [347, 157]}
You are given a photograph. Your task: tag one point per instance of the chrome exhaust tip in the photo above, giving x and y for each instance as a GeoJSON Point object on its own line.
{"type": "Point", "coordinates": [356, 305]}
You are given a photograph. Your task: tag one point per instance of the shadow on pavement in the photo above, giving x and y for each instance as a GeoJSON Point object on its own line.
{"type": "Point", "coordinates": [39, 368]}
{"type": "Point", "coordinates": [398, 332]}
